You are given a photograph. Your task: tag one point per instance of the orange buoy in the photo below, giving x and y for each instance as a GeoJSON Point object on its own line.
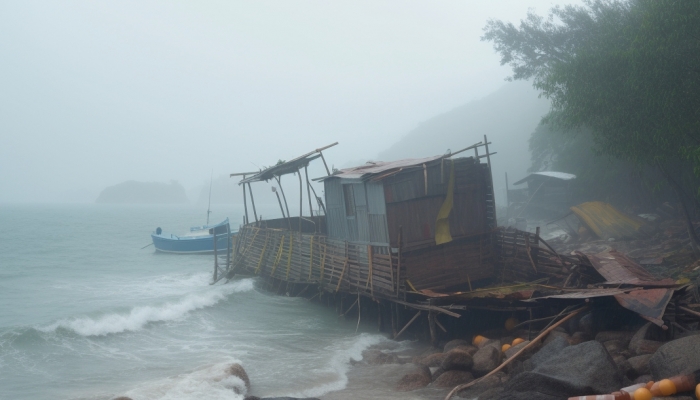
{"type": "Point", "coordinates": [667, 387]}
{"type": "Point", "coordinates": [517, 341]}
{"type": "Point", "coordinates": [505, 347]}
{"type": "Point", "coordinates": [642, 394]}
{"type": "Point", "coordinates": [511, 323]}
{"type": "Point", "coordinates": [478, 339]}
{"type": "Point", "coordinates": [697, 391]}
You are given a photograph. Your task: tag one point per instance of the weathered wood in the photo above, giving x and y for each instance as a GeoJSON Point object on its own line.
{"type": "Point", "coordinates": [407, 325]}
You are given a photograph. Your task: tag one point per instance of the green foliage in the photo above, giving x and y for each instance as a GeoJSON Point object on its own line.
{"type": "Point", "coordinates": [626, 71]}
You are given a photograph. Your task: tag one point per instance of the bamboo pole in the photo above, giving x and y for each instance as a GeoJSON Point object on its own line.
{"type": "Point", "coordinates": [252, 202]}
{"type": "Point", "coordinates": [345, 265]}
{"type": "Point", "coordinates": [289, 255]}
{"type": "Point", "coordinates": [508, 361]}
{"type": "Point", "coordinates": [370, 276]}
{"type": "Point", "coordinates": [279, 183]}
{"type": "Point", "coordinates": [245, 203]}
{"type": "Point", "coordinates": [407, 325]}
{"type": "Point", "coordinates": [308, 193]}
{"type": "Point", "coordinates": [328, 171]}
{"type": "Point", "coordinates": [279, 256]}
{"type": "Point", "coordinates": [311, 257]}
{"type": "Point", "coordinates": [301, 199]}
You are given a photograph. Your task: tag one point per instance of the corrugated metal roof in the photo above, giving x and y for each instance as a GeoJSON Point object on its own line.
{"type": "Point", "coordinates": [549, 174]}
{"type": "Point", "coordinates": [606, 221]}
{"type": "Point", "coordinates": [372, 169]}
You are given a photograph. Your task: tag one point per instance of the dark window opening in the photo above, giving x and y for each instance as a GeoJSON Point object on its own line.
{"type": "Point", "coordinates": [349, 196]}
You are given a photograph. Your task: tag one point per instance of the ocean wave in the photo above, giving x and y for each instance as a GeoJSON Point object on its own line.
{"type": "Point", "coordinates": [211, 383]}
{"type": "Point", "coordinates": [339, 364]}
{"type": "Point", "coordinates": [139, 316]}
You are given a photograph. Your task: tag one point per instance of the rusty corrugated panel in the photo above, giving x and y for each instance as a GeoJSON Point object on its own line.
{"type": "Point", "coordinates": [617, 268]}
{"type": "Point", "coordinates": [381, 167]}
{"type": "Point", "coordinates": [650, 304]}
{"type": "Point", "coordinates": [606, 221]}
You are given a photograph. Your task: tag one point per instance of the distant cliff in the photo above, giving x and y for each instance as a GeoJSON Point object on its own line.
{"type": "Point", "coordinates": [132, 192]}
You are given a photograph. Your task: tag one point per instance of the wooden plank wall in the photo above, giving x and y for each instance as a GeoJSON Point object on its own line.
{"type": "Point", "coordinates": [517, 252]}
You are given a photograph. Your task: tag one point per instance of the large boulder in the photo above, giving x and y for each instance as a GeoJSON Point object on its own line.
{"type": "Point", "coordinates": [640, 365]}
{"type": "Point", "coordinates": [676, 357]}
{"type": "Point", "coordinates": [378, 357]}
{"type": "Point", "coordinates": [431, 360]}
{"type": "Point", "coordinates": [457, 360]}
{"type": "Point", "coordinates": [605, 336]}
{"type": "Point", "coordinates": [238, 371]}
{"type": "Point", "coordinates": [578, 370]}
{"type": "Point", "coordinates": [641, 344]}
{"type": "Point", "coordinates": [453, 378]}
{"type": "Point", "coordinates": [421, 377]}
{"type": "Point", "coordinates": [486, 360]}
{"type": "Point", "coordinates": [454, 343]}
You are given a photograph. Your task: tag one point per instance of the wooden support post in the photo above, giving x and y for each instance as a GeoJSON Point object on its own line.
{"type": "Point", "coordinates": [488, 161]}
{"type": "Point", "coordinates": [398, 268]}
{"type": "Point", "coordinates": [301, 199]}
{"type": "Point", "coordinates": [431, 326]}
{"type": "Point", "coordinates": [391, 267]}
{"type": "Point", "coordinates": [245, 203]}
{"type": "Point", "coordinates": [279, 201]}
{"type": "Point", "coordinates": [252, 202]}
{"type": "Point", "coordinates": [370, 276]}
{"type": "Point", "coordinates": [286, 206]}
{"type": "Point", "coordinates": [407, 325]}
{"type": "Point", "coordinates": [440, 325]}
{"type": "Point", "coordinates": [311, 257]}
{"type": "Point", "coordinates": [359, 311]}
{"type": "Point", "coordinates": [308, 193]}
{"type": "Point", "coordinates": [328, 171]}
{"type": "Point", "coordinates": [216, 258]}
{"type": "Point", "coordinates": [228, 247]}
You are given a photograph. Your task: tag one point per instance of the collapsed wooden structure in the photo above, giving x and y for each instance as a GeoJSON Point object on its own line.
{"type": "Point", "coordinates": [415, 234]}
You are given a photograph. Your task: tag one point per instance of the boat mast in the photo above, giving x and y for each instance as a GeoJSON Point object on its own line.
{"type": "Point", "coordinates": [211, 180]}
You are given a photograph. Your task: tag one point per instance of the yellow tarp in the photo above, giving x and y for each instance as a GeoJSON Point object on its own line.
{"type": "Point", "coordinates": [442, 225]}
{"type": "Point", "coordinates": [606, 221]}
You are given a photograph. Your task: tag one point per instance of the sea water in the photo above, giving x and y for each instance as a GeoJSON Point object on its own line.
{"type": "Point", "coordinates": [86, 313]}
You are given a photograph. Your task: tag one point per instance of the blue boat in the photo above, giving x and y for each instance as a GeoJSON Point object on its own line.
{"type": "Point", "coordinates": [199, 240]}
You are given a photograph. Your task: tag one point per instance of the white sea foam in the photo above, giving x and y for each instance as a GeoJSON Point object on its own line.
{"type": "Point", "coordinates": [211, 383]}
{"type": "Point", "coordinates": [339, 365]}
{"type": "Point", "coordinates": [139, 316]}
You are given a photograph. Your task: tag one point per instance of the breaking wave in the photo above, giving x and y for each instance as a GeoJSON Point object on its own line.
{"type": "Point", "coordinates": [211, 383]}
{"type": "Point", "coordinates": [138, 317]}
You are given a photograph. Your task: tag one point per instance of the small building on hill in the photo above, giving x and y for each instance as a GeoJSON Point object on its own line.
{"type": "Point", "coordinates": [547, 194]}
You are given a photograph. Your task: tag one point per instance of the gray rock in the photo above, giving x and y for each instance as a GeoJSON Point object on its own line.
{"type": "Point", "coordinates": [622, 365]}
{"type": "Point", "coordinates": [580, 337]}
{"type": "Point", "coordinates": [415, 380]}
{"type": "Point", "coordinates": [486, 360]}
{"type": "Point", "coordinates": [640, 365]}
{"type": "Point", "coordinates": [238, 371]}
{"type": "Point", "coordinates": [515, 349]}
{"type": "Point", "coordinates": [432, 360]}
{"type": "Point", "coordinates": [624, 336]}
{"type": "Point", "coordinates": [458, 360]}
{"type": "Point", "coordinates": [550, 350]}
{"type": "Point", "coordinates": [676, 357]}
{"type": "Point", "coordinates": [555, 334]}
{"type": "Point", "coordinates": [378, 357]}
{"type": "Point", "coordinates": [583, 369]}
{"type": "Point", "coordinates": [614, 347]}
{"type": "Point", "coordinates": [453, 378]}
{"type": "Point", "coordinates": [454, 343]}
{"type": "Point", "coordinates": [488, 384]}
{"type": "Point", "coordinates": [641, 344]}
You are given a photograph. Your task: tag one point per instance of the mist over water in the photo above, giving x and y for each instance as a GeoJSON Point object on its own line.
{"type": "Point", "coordinates": [88, 315]}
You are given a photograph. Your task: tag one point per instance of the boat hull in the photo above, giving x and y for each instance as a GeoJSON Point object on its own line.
{"type": "Point", "coordinates": [167, 243]}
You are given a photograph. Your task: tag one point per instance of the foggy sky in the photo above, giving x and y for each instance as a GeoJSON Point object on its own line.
{"type": "Point", "coordinates": [96, 93]}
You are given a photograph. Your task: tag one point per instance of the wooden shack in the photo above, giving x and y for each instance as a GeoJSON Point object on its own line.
{"type": "Point", "coordinates": [388, 227]}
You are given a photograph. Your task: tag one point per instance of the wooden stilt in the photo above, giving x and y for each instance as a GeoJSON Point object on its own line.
{"type": "Point", "coordinates": [407, 325]}
{"type": "Point", "coordinates": [245, 203]}
{"type": "Point", "coordinates": [286, 206]}
{"type": "Point", "coordinates": [252, 202]}
{"type": "Point", "coordinates": [431, 326]}
{"type": "Point", "coordinates": [359, 311]}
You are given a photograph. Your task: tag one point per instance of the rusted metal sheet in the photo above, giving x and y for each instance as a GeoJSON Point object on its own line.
{"type": "Point", "coordinates": [650, 304]}
{"type": "Point", "coordinates": [585, 294]}
{"type": "Point", "coordinates": [381, 167]}
{"type": "Point", "coordinates": [617, 269]}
